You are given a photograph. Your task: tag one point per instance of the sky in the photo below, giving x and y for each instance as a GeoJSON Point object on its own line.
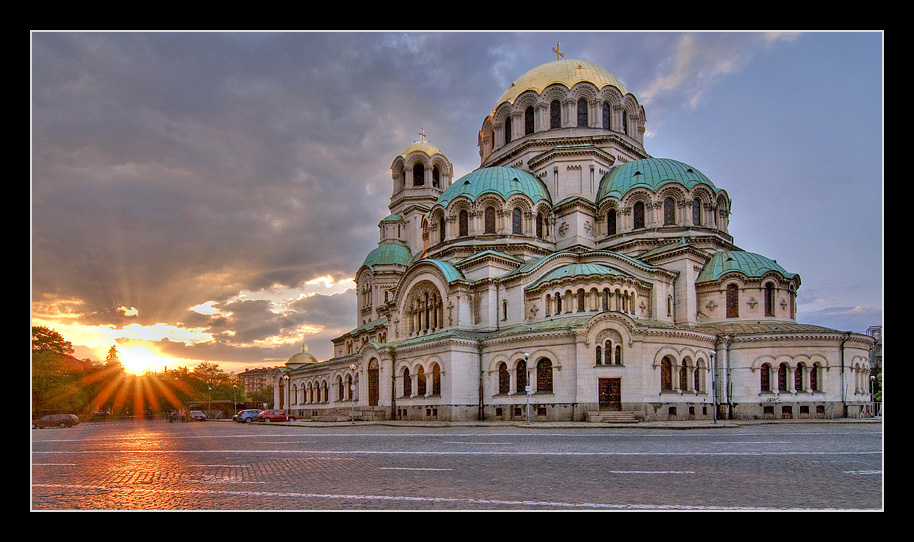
{"type": "Point", "coordinates": [209, 196]}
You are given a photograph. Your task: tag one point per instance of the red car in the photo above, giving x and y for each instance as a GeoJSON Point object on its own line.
{"type": "Point", "coordinates": [275, 416]}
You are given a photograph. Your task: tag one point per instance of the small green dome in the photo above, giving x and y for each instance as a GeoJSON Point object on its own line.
{"type": "Point", "coordinates": [650, 173]}
{"type": "Point", "coordinates": [388, 254]}
{"type": "Point", "coordinates": [748, 263]}
{"type": "Point", "coordinates": [504, 181]}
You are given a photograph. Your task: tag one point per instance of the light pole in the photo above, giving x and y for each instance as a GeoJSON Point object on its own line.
{"type": "Point", "coordinates": [713, 386]}
{"type": "Point", "coordinates": [234, 388]}
{"type": "Point", "coordinates": [528, 389]}
{"type": "Point", "coordinates": [209, 397]}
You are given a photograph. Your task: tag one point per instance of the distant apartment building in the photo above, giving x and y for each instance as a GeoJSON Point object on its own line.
{"type": "Point", "coordinates": [255, 380]}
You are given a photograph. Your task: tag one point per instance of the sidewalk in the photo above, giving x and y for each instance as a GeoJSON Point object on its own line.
{"type": "Point", "coordinates": [678, 424]}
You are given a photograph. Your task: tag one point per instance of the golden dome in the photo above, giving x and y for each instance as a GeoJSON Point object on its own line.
{"type": "Point", "coordinates": [567, 72]}
{"type": "Point", "coordinates": [423, 146]}
{"type": "Point", "coordinates": [301, 358]}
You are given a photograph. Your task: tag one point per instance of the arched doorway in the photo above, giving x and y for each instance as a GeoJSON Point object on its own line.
{"type": "Point", "coordinates": [374, 381]}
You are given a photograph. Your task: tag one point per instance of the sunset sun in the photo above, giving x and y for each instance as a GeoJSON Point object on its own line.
{"type": "Point", "coordinates": [139, 360]}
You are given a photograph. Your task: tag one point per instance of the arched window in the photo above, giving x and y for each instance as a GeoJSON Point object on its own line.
{"type": "Point", "coordinates": [732, 301]}
{"type": "Point", "coordinates": [504, 310]}
{"type": "Point", "coordinates": [765, 378]}
{"type": "Point", "coordinates": [782, 377]}
{"type": "Point", "coordinates": [441, 236]}
{"type": "Point", "coordinates": [539, 225]}
{"type": "Point", "coordinates": [669, 212]}
{"type": "Point", "coordinates": [558, 303]}
{"type": "Point", "coordinates": [521, 372]}
{"type": "Point", "coordinates": [555, 114]}
{"type": "Point", "coordinates": [683, 376]}
{"type": "Point", "coordinates": [611, 222]}
{"type": "Point", "coordinates": [407, 383]}
{"type": "Point", "coordinates": [420, 381]}
{"type": "Point", "coordinates": [508, 129]}
{"type": "Point", "coordinates": [608, 352]}
{"type": "Point", "coordinates": [463, 223]}
{"type": "Point", "coordinates": [606, 122]}
{"type": "Point", "coordinates": [638, 214]}
{"type": "Point", "coordinates": [528, 121]}
{"type": "Point", "coordinates": [418, 175]}
{"type": "Point", "coordinates": [544, 375]}
{"type": "Point", "coordinates": [769, 299]}
{"type": "Point", "coordinates": [599, 356]}
{"type": "Point", "coordinates": [340, 388]}
{"type": "Point", "coordinates": [504, 381]}
{"type": "Point", "coordinates": [580, 300]}
{"type": "Point", "coordinates": [698, 377]}
{"type": "Point", "coordinates": [624, 122]}
{"type": "Point", "coordinates": [582, 113]}
{"type": "Point", "coordinates": [516, 224]}
{"type": "Point", "coordinates": [618, 360]}
{"type": "Point", "coordinates": [798, 377]}
{"type": "Point", "coordinates": [436, 379]}
{"type": "Point", "coordinates": [666, 374]}
{"type": "Point", "coordinates": [814, 373]}
{"type": "Point", "coordinates": [436, 177]}
{"type": "Point", "coordinates": [696, 212]}
{"type": "Point", "coordinates": [349, 387]}
{"type": "Point", "coordinates": [374, 381]}
{"type": "Point", "coordinates": [490, 219]}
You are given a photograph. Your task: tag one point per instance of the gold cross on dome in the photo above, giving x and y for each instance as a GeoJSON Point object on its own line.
{"type": "Point", "coordinates": [557, 52]}
{"type": "Point", "coordinates": [422, 134]}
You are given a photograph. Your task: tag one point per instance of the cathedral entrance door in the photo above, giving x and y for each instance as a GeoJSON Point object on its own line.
{"type": "Point", "coordinates": [610, 393]}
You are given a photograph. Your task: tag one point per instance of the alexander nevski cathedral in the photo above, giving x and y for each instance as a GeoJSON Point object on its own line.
{"type": "Point", "coordinates": [572, 276]}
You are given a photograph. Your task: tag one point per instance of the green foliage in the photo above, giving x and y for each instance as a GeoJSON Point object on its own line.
{"type": "Point", "coordinates": [64, 384]}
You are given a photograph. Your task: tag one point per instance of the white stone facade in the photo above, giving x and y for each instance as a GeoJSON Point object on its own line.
{"type": "Point", "coordinates": [569, 276]}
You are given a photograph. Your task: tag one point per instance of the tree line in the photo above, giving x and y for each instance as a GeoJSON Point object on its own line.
{"type": "Point", "coordinates": [61, 383]}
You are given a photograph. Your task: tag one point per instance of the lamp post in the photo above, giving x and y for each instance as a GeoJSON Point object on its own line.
{"type": "Point", "coordinates": [713, 386]}
{"type": "Point", "coordinates": [288, 394]}
{"type": "Point", "coordinates": [528, 389]}
{"type": "Point", "coordinates": [209, 398]}
{"type": "Point", "coordinates": [234, 388]}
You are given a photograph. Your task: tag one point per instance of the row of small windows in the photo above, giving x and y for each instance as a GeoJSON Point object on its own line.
{"type": "Point", "coordinates": [555, 118]}
{"type": "Point", "coordinates": [805, 378]}
{"type": "Point", "coordinates": [543, 375]}
{"type": "Point", "coordinates": [638, 215]}
{"type": "Point", "coordinates": [517, 228]}
{"type": "Point", "coordinates": [682, 377]}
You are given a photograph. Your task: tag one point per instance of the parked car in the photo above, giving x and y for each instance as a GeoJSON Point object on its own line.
{"type": "Point", "coordinates": [247, 415]}
{"type": "Point", "coordinates": [55, 420]}
{"type": "Point", "coordinates": [275, 416]}
{"type": "Point", "coordinates": [196, 415]}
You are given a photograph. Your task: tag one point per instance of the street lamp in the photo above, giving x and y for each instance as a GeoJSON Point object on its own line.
{"type": "Point", "coordinates": [528, 389]}
{"type": "Point", "coordinates": [209, 397]}
{"type": "Point", "coordinates": [713, 386]}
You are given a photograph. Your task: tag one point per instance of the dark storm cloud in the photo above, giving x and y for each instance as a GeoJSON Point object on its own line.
{"type": "Point", "coordinates": [175, 169]}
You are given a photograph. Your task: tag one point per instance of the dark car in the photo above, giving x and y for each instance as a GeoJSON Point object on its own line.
{"type": "Point", "coordinates": [196, 416]}
{"type": "Point", "coordinates": [275, 416]}
{"type": "Point", "coordinates": [247, 415]}
{"type": "Point", "coordinates": [55, 420]}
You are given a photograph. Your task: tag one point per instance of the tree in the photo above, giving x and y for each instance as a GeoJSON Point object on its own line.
{"type": "Point", "coordinates": [46, 339]}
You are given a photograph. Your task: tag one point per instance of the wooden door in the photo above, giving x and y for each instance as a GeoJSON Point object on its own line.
{"type": "Point", "coordinates": [610, 393]}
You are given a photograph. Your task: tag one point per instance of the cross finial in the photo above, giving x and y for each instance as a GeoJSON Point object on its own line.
{"type": "Point", "coordinates": [557, 52]}
{"type": "Point", "coordinates": [422, 134]}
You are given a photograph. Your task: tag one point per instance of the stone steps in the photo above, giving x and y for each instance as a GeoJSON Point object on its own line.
{"type": "Point", "coordinates": [611, 416]}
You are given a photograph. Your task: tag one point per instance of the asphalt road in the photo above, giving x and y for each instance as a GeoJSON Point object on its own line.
{"type": "Point", "coordinates": [232, 466]}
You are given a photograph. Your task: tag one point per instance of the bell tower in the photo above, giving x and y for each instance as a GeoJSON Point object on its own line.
{"type": "Point", "coordinates": [420, 174]}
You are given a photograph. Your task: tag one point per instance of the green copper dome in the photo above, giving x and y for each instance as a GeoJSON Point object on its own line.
{"type": "Point", "coordinates": [504, 181]}
{"type": "Point", "coordinates": [388, 254]}
{"type": "Point", "coordinates": [575, 270]}
{"type": "Point", "coordinates": [748, 263]}
{"type": "Point", "coordinates": [650, 173]}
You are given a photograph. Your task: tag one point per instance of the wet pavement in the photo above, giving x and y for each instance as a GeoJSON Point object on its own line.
{"type": "Point", "coordinates": [222, 465]}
